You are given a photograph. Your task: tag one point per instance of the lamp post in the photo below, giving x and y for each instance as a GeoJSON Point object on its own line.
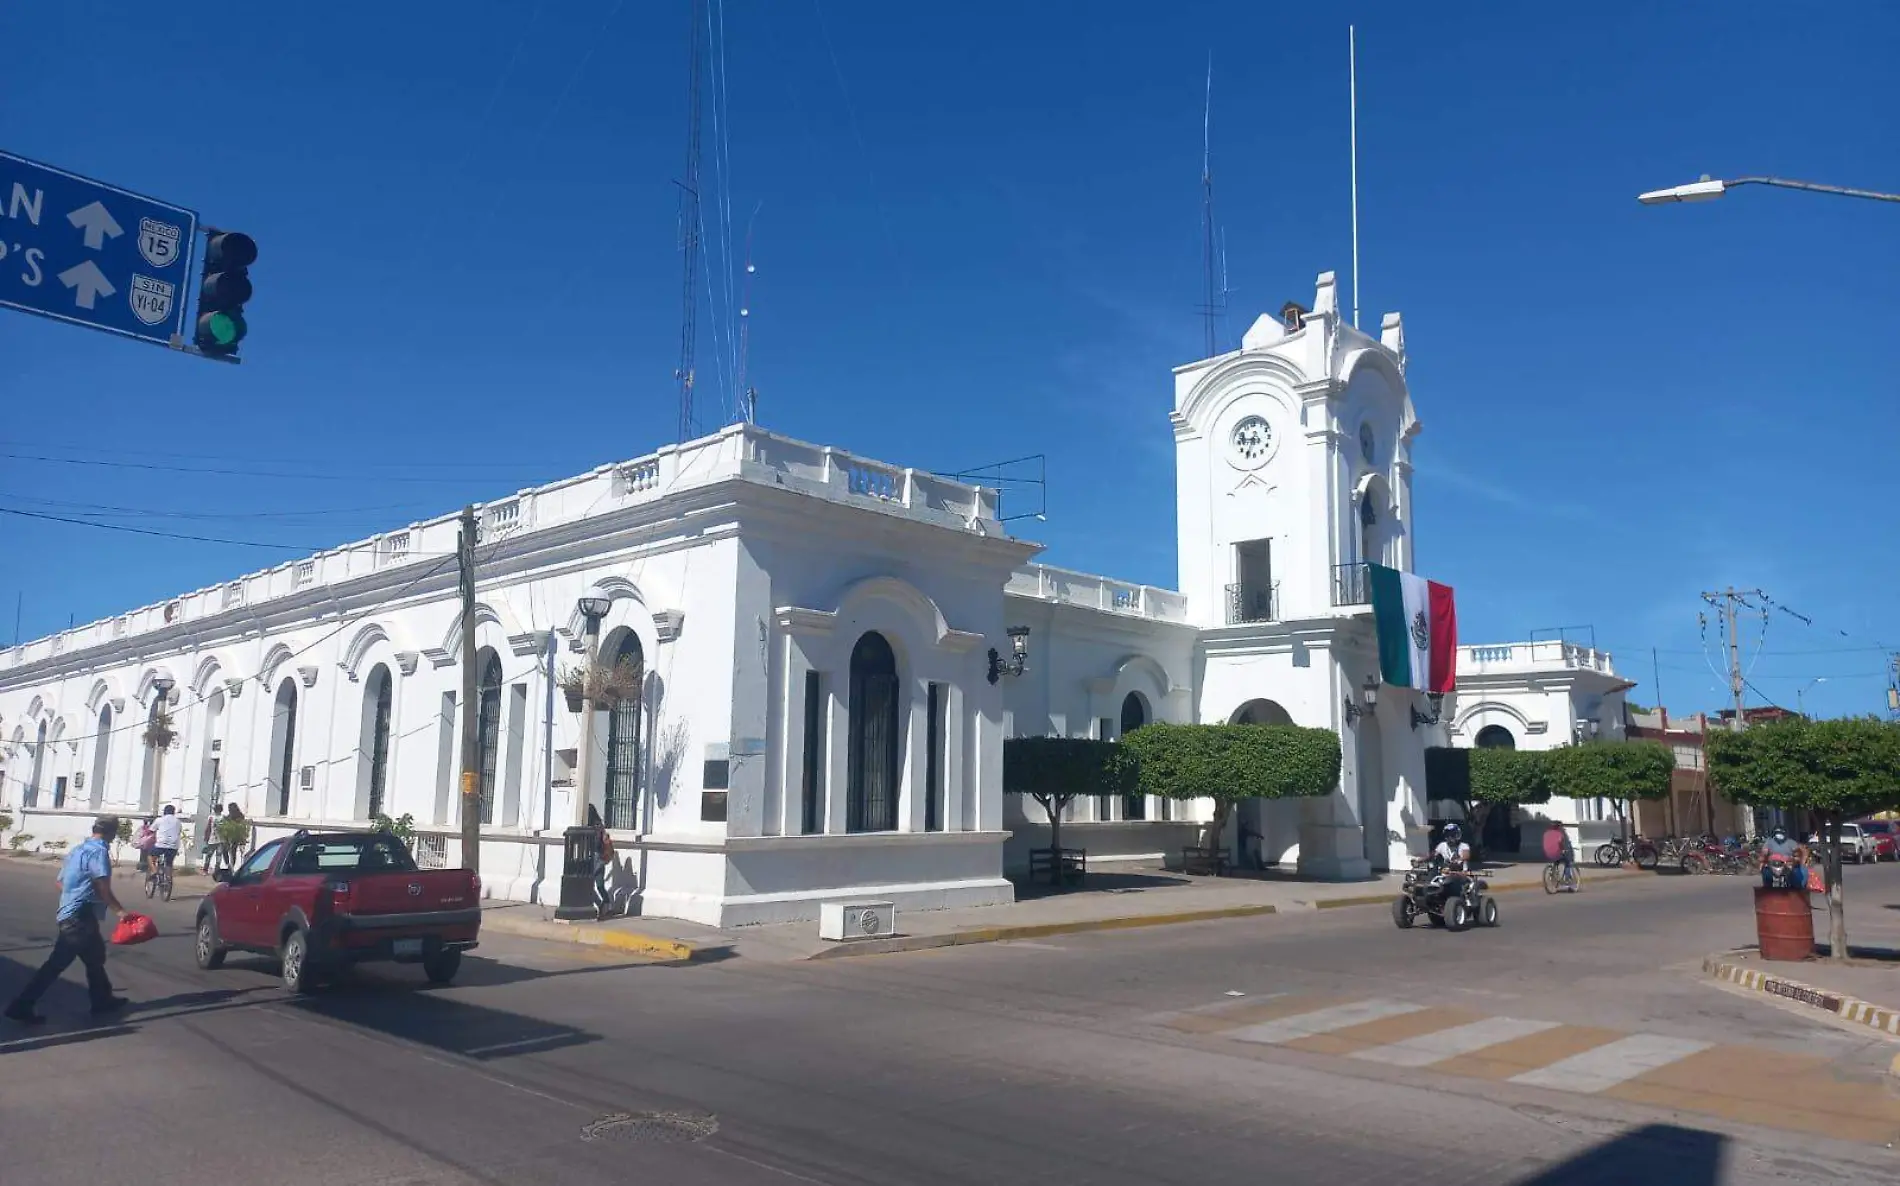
{"type": "Point", "coordinates": [580, 860]}
{"type": "Point", "coordinates": [1370, 693]}
{"type": "Point", "coordinates": [1800, 705]}
{"type": "Point", "coordinates": [1708, 189]}
{"type": "Point", "coordinates": [161, 693]}
{"type": "Point", "coordinates": [1018, 661]}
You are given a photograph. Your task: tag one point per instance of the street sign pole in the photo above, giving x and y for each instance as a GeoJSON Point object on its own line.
{"type": "Point", "coordinates": [88, 253]}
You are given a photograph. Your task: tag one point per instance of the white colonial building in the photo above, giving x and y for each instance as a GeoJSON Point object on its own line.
{"type": "Point", "coordinates": [821, 708]}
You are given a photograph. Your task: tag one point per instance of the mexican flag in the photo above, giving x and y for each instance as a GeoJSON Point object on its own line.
{"type": "Point", "coordinates": [1418, 630]}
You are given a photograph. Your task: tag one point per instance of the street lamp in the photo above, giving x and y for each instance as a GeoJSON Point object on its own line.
{"type": "Point", "coordinates": [581, 848]}
{"type": "Point", "coordinates": [1800, 705]}
{"type": "Point", "coordinates": [1437, 700]}
{"type": "Point", "coordinates": [1018, 661]}
{"type": "Point", "coordinates": [1371, 695]}
{"type": "Point", "coordinates": [161, 693]}
{"type": "Point", "coordinates": [1707, 188]}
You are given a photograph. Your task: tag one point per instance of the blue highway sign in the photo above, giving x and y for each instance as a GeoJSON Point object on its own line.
{"type": "Point", "coordinates": [93, 254]}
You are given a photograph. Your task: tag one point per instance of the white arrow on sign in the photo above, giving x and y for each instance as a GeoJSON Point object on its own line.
{"type": "Point", "coordinates": [87, 283]}
{"type": "Point", "coordinates": [99, 225]}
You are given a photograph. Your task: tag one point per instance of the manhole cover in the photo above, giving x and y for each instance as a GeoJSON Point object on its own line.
{"type": "Point", "coordinates": [652, 1128]}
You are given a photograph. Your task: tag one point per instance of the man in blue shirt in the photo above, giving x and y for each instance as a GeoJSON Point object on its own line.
{"type": "Point", "coordinates": [85, 892]}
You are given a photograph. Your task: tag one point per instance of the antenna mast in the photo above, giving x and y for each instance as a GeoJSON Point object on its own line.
{"type": "Point", "coordinates": [1352, 82]}
{"type": "Point", "coordinates": [1212, 310]}
{"type": "Point", "coordinates": [689, 226]}
{"type": "Point", "coordinates": [748, 398]}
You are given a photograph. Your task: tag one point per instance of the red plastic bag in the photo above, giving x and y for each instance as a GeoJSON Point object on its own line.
{"type": "Point", "coordinates": [1816, 883]}
{"type": "Point", "coordinates": [134, 928]}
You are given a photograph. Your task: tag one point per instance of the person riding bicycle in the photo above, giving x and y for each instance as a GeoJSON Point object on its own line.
{"type": "Point", "coordinates": [144, 841]}
{"type": "Point", "coordinates": [1557, 848]}
{"type": "Point", "coordinates": [1453, 856]}
{"type": "Point", "coordinates": [167, 834]}
{"type": "Point", "coordinates": [1783, 860]}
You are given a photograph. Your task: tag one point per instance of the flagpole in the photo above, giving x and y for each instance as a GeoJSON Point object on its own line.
{"type": "Point", "coordinates": [1352, 73]}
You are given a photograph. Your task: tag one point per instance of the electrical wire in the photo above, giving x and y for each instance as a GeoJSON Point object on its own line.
{"type": "Point", "coordinates": [98, 509]}
{"type": "Point", "coordinates": [202, 539]}
{"type": "Point", "coordinates": [226, 472]}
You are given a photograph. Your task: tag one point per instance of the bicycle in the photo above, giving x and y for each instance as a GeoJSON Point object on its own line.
{"type": "Point", "coordinates": [1617, 852]}
{"type": "Point", "coordinates": [1559, 877]}
{"type": "Point", "coordinates": [159, 880]}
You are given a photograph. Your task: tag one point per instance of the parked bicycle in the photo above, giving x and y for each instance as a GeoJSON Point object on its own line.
{"type": "Point", "coordinates": [1643, 852]}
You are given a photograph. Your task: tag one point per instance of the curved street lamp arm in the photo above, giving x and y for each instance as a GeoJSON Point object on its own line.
{"type": "Point", "coordinates": [1816, 187]}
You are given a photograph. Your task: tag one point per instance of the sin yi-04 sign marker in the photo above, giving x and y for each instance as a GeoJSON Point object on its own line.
{"type": "Point", "coordinates": [93, 254]}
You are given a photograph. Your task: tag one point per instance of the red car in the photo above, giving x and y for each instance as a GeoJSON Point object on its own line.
{"type": "Point", "coordinates": [322, 901]}
{"type": "Point", "coordinates": [1886, 835]}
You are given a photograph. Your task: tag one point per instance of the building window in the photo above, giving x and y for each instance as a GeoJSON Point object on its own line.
{"type": "Point", "coordinates": [1368, 448]}
{"type": "Point", "coordinates": [623, 743]}
{"type": "Point", "coordinates": [1495, 737]}
{"type": "Point", "coordinates": [488, 728]}
{"type": "Point", "coordinates": [812, 817]}
{"type": "Point", "coordinates": [1134, 716]}
{"type": "Point", "coordinates": [1104, 804]}
{"type": "Point", "coordinates": [59, 792]}
{"type": "Point", "coordinates": [379, 701]}
{"type": "Point", "coordinates": [32, 796]}
{"type": "Point", "coordinates": [283, 735]}
{"type": "Point", "coordinates": [875, 745]}
{"type": "Point", "coordinates": [1368, 528]}
{"type": "Point", "coordinates": [933, 762]}
{"type": "Point", "coordinates": [101, 751]}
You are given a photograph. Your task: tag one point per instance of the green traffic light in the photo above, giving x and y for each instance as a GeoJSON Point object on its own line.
{"type": "Point", "coordinates": [226, 329]}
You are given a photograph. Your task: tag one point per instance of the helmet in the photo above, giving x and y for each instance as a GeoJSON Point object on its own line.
{"type": "Point", "coordinates": [1452, 832]}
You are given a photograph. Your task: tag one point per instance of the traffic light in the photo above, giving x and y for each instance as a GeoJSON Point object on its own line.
{"type": "Point", "coordinates": [222, 291]}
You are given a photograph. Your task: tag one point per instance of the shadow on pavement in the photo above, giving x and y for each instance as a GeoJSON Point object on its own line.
{"type": "Point", "coordinates": [1654, 1155]}
{"type": "Point", "coordinates": [456, 1027]}
{"type": "Point", "coordinates": [1099, 883]}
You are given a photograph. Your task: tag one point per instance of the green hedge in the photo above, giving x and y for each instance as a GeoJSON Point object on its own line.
{"type": "Point", "coordinates": [1066, 767]}
{"type": "Point", "coordinates": [1620, 770]}
{"type": "Point", "coordinates": [1228, 763]}
{"type": "Point", "coordinates": [1487, 775]}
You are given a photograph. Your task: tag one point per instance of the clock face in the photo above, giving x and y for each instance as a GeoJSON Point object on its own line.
{"type": "Point", "coordinates": [1252, 441]}
{"type": "Point", "coordinates": [1367, 449]}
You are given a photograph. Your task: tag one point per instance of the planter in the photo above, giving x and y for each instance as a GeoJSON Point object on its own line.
{"type": "Point", "coordinates": [573, 701]}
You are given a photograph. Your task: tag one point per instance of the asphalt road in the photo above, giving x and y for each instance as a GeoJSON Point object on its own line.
{"type": "Point", "coordinates": [1075, 1060]}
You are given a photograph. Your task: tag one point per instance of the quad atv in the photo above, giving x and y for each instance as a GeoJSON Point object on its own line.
{"type": "Point", "coordinates": [1429, 890]}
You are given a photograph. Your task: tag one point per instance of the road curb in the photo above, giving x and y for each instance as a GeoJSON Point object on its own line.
{"type": "Point", "coordinates": [1003, 934]}
{"type": "Point", "coordinates": [584, 934]}
{"type": "Point", "coordinates": [1852, 1010]}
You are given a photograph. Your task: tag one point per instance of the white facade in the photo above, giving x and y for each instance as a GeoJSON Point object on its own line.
{"type": "Point", "coordinates": [818, 716]}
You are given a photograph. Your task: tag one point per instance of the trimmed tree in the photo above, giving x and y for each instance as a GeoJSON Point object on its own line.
{"type": "Point", "coordinates": [1482, 779]}
{"type": "Point", "coordinates": [1620, 771]}
{"type": "Point", "coordinates": [1228, 763]}
{"type": "Point", "coordinates": [1833, 769]}
{"type": "Point", "coordinates": [1055, 771]}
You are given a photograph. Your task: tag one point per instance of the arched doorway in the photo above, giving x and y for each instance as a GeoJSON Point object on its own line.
{"type": "Point", "coordinates": [101, 753]}
{"type": "Point", "coordinates": [1263, 828]}
{"type": "Point", "coordinates": [39, 768]}
{"type": "Point", "coordinates": [1261, 712]}
{"type": "Point", "coordinates": [1134, 716]}
{"type": "Point", "coordinates": [875, 745]}
{"type": "Point", "coordinates": [372, 749]}
{"type": "Point", "coordinates": [1495, 737]}
{"type": "Point", "coordinates": [210, 771]}
{"type": "Point", "coordinates": [283, 745]}
{"type": "Point", "coordinates": [487, 726]}
{"type": "Point", "coordinates": [623, 741]}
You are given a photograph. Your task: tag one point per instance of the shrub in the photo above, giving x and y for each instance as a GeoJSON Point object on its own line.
{"type": "Point", "coordinates": [1054, 771]}
{"type": "Point", "coordinates": [1228, 763]}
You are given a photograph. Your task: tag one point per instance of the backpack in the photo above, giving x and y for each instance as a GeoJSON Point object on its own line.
{"type": "Point", "coordinates": [146, 838]}
{"type": "Point", "coordinates": [1553, 844]}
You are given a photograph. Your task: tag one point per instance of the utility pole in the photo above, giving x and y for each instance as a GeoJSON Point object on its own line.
{"type": "Point", "coordinates": [1726, 601]}
{"type": "Point", "coordinates": [1893, 688]}
{"type": "Point", "coordinates": [471, 729]}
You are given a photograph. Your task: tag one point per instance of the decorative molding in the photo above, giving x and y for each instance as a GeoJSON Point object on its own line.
{"type": "Point", "coordinates": [1537, 727]}
{"type": "Point", "coordinates": [308, 676]}
{"type": "Point", "coordinates": [798, 620]}
{"type": "Point", "coordinates": [118, 705]}
{"type": "Point", "coordinates": [438, 656]}
{"type": "Point", "coordinates": [531, 643]}
{"type": "Point", "coordinates": [406, 662]}
{"type": "Point", "coordinates": [667, 624]}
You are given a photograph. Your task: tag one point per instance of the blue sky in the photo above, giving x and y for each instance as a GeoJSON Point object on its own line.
{"type": "Point", "coordinates": [977, 236]}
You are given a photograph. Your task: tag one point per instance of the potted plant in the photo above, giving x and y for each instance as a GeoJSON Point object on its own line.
{"type": "Point", "coordinates": [402, 828]}
{"type": "Point", "coordinates": [159, 733]}
{"type": "Point", "coordinates": [606, 685]}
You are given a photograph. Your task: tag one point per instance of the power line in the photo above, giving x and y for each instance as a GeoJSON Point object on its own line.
{"type": "Point", "coordinates": [220, 471]}
{"type": "Point", "coordinates": [201, 539]}
{"type": "Point", "coordinates": [160, 513]}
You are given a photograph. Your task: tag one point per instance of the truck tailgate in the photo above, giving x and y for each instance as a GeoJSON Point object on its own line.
{"type": "Point", "coordinates": [425, 891]}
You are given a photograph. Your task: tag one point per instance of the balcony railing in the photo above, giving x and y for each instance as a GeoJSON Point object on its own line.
{"type": "Point", "coordinates": [1351, 584]}
{"type": "Point", "coordinates": [1250, 603]}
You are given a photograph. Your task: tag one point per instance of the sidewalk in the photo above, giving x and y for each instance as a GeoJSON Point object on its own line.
{"type": "Point", "coordinates": [1864, 991]}
{"type": "Point", "coordinates": [1109, 901]}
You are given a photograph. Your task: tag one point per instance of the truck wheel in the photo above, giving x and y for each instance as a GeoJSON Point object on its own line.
{"type": "Point", "coordinates": [299, 977]}
{"type": "Point", "coordinates": [1457, 914]}
{"type": "Point", "coordinates": [441, 967]}
{"type": "Point", "coordinates": [1403, 912]}
{"type": "Point", "coordinates": [209, 952]}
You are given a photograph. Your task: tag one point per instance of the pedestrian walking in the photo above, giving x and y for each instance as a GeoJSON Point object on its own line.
{"type": "Point", "coordinates": [85, 894]}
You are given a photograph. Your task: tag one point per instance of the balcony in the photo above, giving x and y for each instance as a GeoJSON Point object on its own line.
{"type": "Point", "coordinates": [1352, 584]}
{"type": "Point", "coordinates": [1520, 657]}
{"type": "Point", "coordinates": [1251, 603]}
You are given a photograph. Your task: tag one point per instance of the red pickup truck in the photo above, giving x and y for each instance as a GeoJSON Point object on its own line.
{"type": "Point", "coordinates": [321, 901]}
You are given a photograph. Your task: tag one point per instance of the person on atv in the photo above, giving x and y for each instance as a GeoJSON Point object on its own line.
{"type": "Point", "coordinates": [1453, 855]}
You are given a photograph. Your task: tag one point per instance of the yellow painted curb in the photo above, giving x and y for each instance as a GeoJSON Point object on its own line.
{"type": "Point", "coordinates": [1848, 1009]}
{"type": "Point", "coordinates": [586, 935]}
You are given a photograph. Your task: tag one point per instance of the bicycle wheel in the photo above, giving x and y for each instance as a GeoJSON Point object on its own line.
{"type": "Point", "coordinates": [1609, 855]}
{"type": "Point", "coordinates": [151, 884]}
{"type": "Point", "coordinates": [167, 887]}
{"type": "Point", "coordinates": [1695, 862]}
{"type": "Point", "coordinates": [1552, 879]}
{"type": "Point", "coordinates": [1646, 856]}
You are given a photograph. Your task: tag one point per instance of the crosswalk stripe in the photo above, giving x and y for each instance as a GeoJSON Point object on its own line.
{"type": "Point", "coordinates": [1427, 1049]}
{"type": "Point", "coordinates": [1322, 1021]}
{"type": "Point", "coordinates": [1606, 1066]}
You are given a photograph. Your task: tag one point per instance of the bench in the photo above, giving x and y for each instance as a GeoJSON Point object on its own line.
{"type": "Point", "coordinates": [1204, 860]}
{"type": "Point", "coordinates": [1059, 865]}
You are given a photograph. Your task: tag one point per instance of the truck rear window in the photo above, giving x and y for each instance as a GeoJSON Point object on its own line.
{"type": "Point", "coordinates": [349, 854]}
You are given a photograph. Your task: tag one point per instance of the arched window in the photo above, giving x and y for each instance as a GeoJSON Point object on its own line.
{"type": "Point", "coordinates": [875, 746]}
{"type": "Point", "coordinates": [148, 775]}
{"type": "Point", "coordinates": [283, 745]}
{"type": "Point", "coordinates": [39, 768]}
{"type": "Point", "coordinates": [1495, 737]}
{"type": "Point", "coordinates": [101, 751]}
{"type": "Point", "coordinates": [623, 742]}
{"type": "Point", "coordinates": [488, 726]}
{"type": "Point", "coordinates": [379, 698]}
{"type": "Point", "coordinates": [1134, 716]}
{"type": "Point", "coordinates": [210, 780]}
{"type": "Point", "coordinates": [1368, 528]}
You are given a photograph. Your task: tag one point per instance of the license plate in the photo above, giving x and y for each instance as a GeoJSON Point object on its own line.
{"type": "Point", "coordinates": [408, 947]}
